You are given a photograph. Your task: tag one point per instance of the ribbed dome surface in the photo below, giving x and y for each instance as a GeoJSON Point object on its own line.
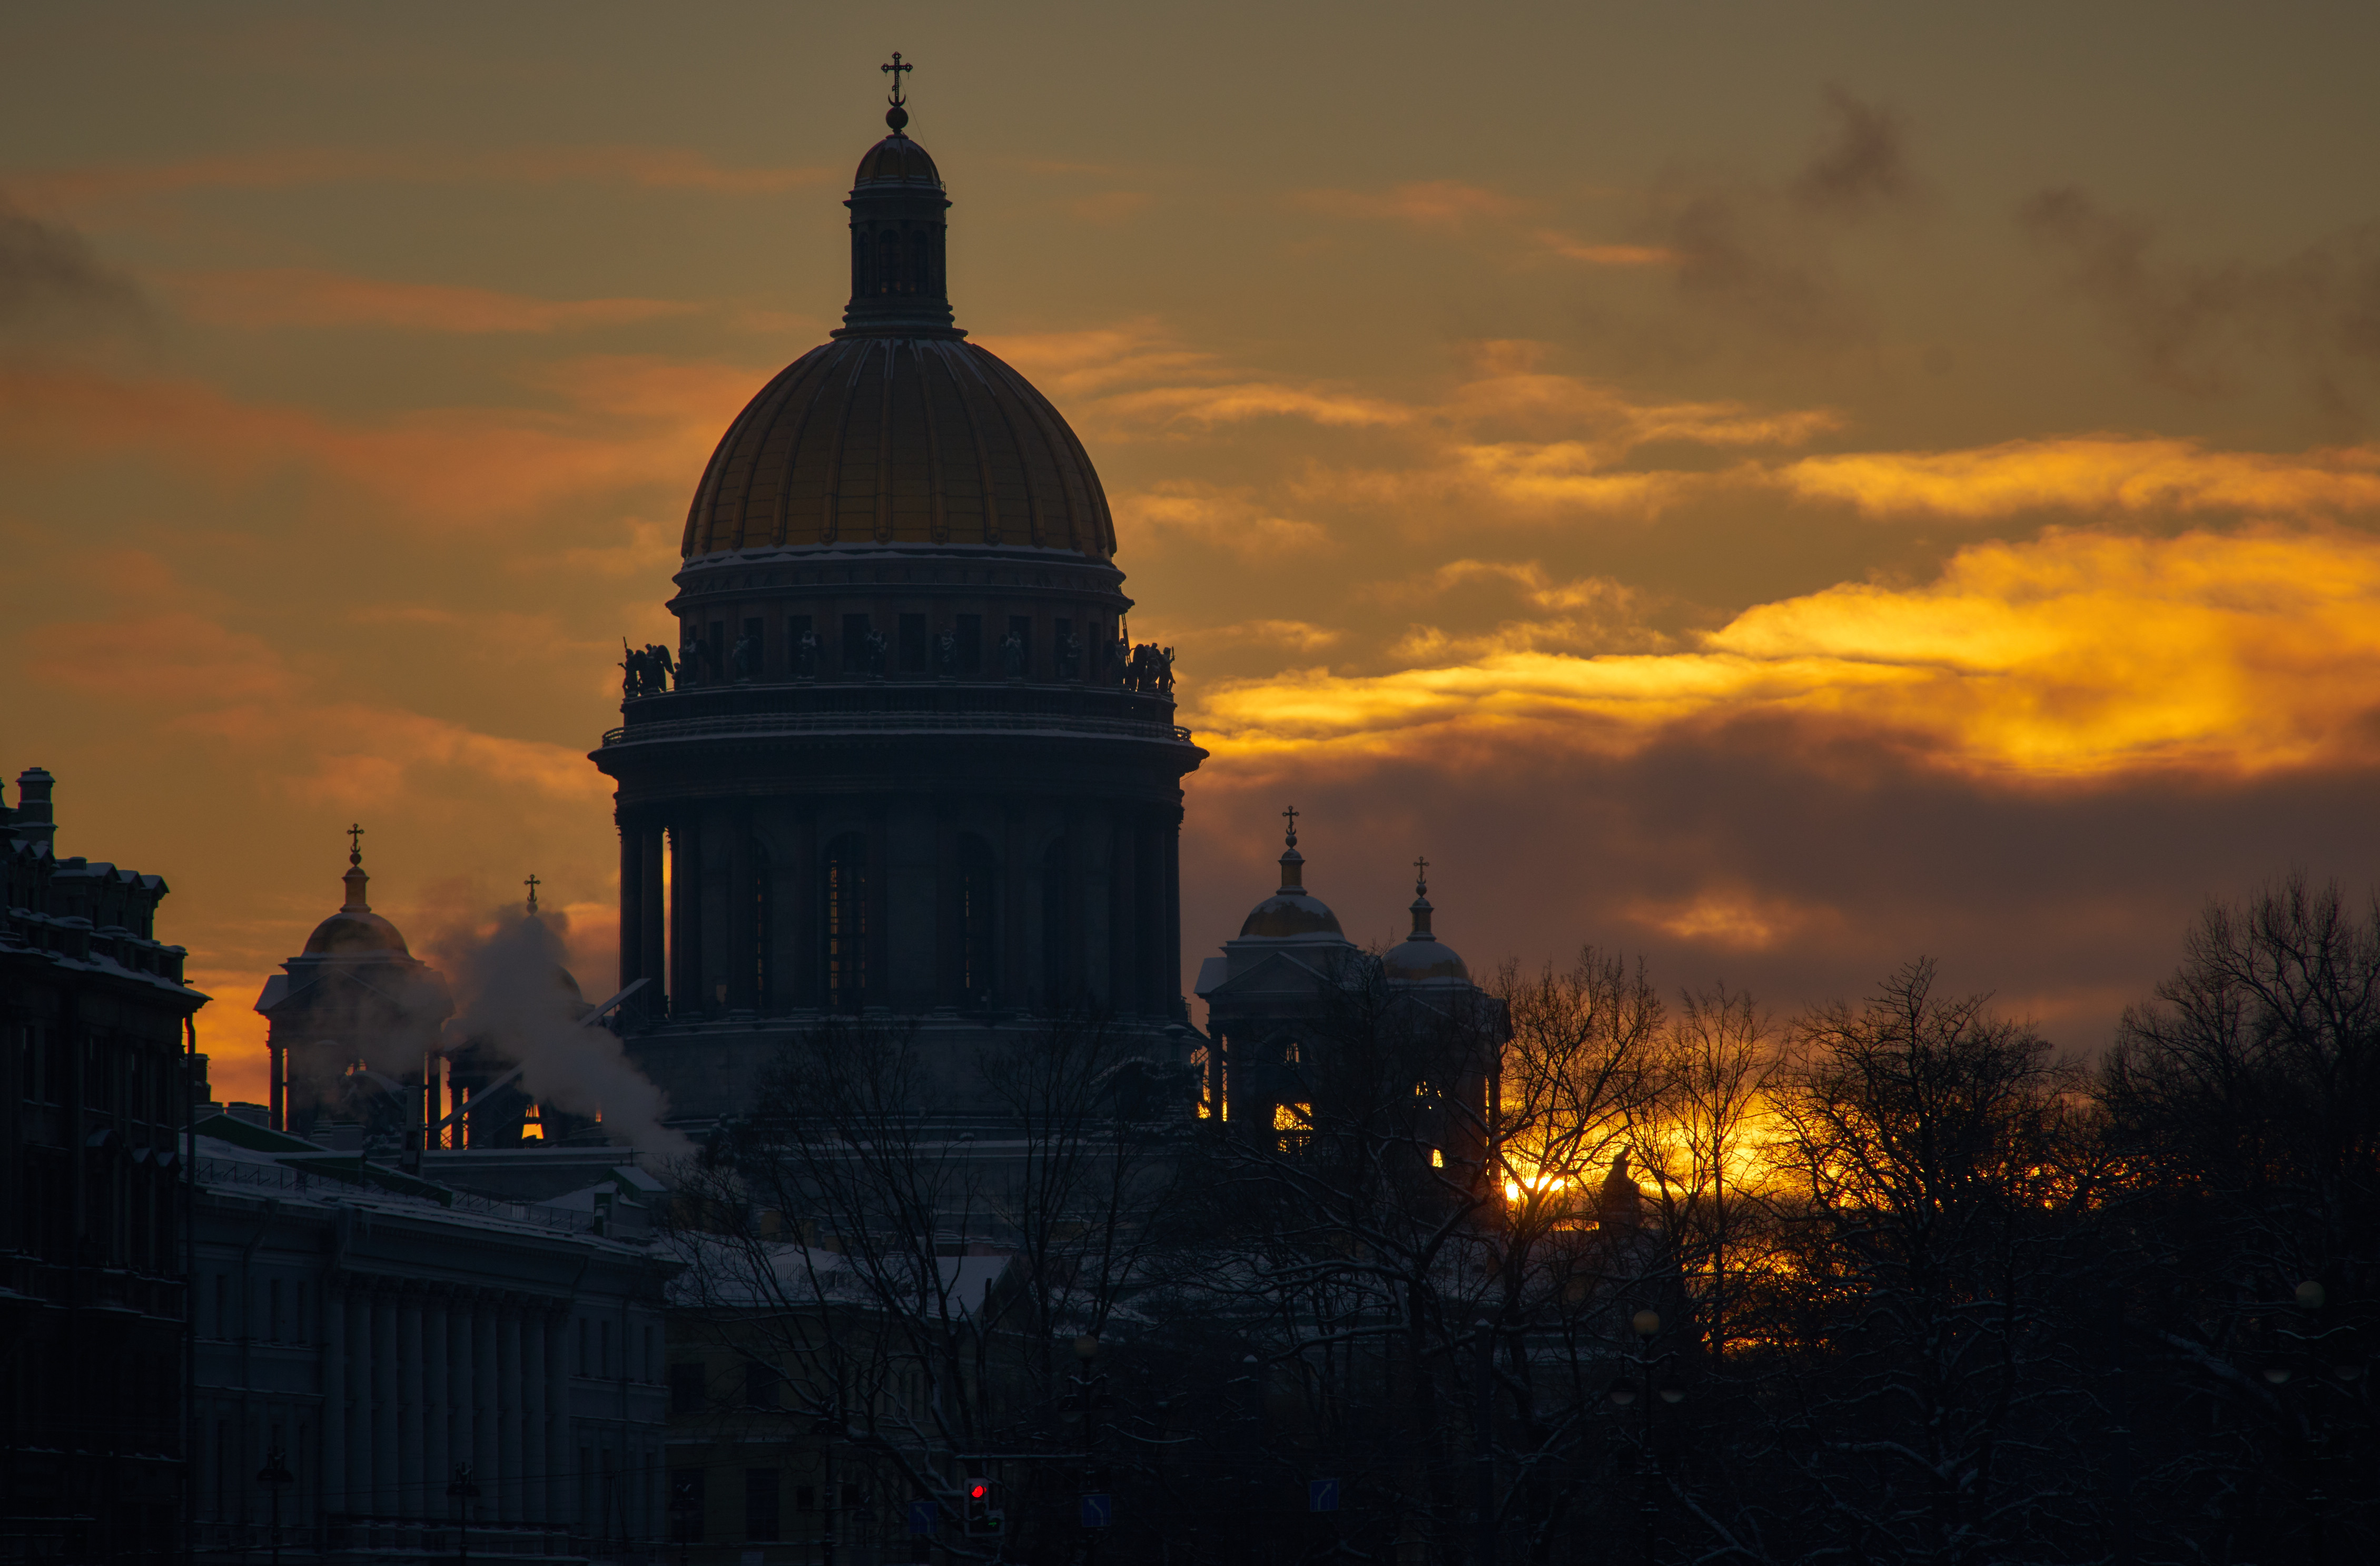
{"type": "Point", "coordinates": [1290, 912]}
{"type": "Point", "coordinates": [899, 440]}
{"type": "Point", "coordinates": [897, 157]}
{"type": "Point", "coordinates": [1421, 959]}
{"type": "Point", "coordinates": [351, 933]}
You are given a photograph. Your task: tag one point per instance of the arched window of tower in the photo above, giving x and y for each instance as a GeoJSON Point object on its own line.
{"type": "Point", "coordinates": [1059, 987]}
{"type": "Point", "coordinates": [764, 998]}
{"type": "Point", "coordinates": [979, 915]}
{"type": "Point", "coordinates": [844, 921]}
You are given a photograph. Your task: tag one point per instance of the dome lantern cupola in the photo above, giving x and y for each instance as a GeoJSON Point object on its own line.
{"type": "Point", "coordinates": [1421, 957]}
{"type": "Point", "coordinates": [900, 282]}
{"type": "Point", "coordinates": [1292, 911]}
{"type": "Point", "coordinates": [355, 930]}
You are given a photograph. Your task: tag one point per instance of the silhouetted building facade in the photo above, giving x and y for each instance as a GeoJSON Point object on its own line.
{"type": "Point", "coordinates": [363, 1333]}
{"type": "Point", "coordinates": [911, 765]}
{"type": "Point", "coordinates": [355, 994]}
{"type": "Point", "coordinates": [94, 1027]}
{"type": "Point", "coordinates": [1304, 1027]}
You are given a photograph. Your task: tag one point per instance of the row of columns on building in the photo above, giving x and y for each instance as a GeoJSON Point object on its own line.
{"type": "Point", "coordinates": [416, 1380]}
{"type": "Point", "coordinates": [712, 947]}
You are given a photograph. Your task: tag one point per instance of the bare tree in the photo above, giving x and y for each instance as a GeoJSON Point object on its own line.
{"type": "Point", "coordinates": [1928, 1397]}
{"type": "Point", "coordinates": [908, 1283]}
{"type": "Point", "coordinates": [2244, 1103]}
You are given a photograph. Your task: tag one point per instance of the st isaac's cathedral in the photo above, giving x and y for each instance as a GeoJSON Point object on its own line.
{"type": "Point", "coordinates": [904, 761]}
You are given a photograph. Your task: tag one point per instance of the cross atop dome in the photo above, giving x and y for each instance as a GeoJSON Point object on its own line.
{"type": "Point", "coordinates": [897, 117]}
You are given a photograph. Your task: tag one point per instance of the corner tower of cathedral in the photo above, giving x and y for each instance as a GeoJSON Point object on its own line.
{"type": "Point", "coordinates": [903, 760]}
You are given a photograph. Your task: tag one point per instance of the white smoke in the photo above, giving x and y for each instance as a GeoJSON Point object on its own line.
{"type": "Point", "coordinates": [511, 998]}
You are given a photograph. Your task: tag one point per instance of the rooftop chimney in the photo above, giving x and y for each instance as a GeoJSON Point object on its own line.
{"type": "Point", "coordinates": [35, 822]}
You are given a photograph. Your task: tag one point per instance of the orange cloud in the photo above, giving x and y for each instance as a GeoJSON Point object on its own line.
{"type": "Point", "coordinates": [1430, 203]}
{"type": "Point", "coordinates": [2091, 473]}
{"type": "Point", "coordinates": [1110, 206]}
{"type": "Point", "coordinates": [623, 421]}
{"type": "Point", "coordinates": [284, 169]}
{"type": "Point", "coordinates": [1738, 919]}
{"type": "Point", "coordinates": [1210, 405]}
{"type": "Point", "coordinates": [2078, 655]}
{"type": "Point", "coordinates": [1299, 636]}
{"type": "Point", "coordinates": [1594, 254]}
{"type": "Point", "coordinates": [1590, 614]}
{"type": "Point", "coordinates": [1080, 364]}
{"type": "Point", "coordinates": [300, 297]}
{"type": "Point", "coordinates": [1227, 519]}
{"type": "Point", "coordinates": [169, 657]}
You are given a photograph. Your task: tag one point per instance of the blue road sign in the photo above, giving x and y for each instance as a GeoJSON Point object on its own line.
{"type": "Point", "coordinates": [923, 1515]}
{"type": "Point", "coordinates": [1099, 1510]}
{"type": "Point", "coordinates": [1321, 1495]}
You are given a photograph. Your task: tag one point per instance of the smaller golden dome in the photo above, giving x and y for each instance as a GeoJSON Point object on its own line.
{"type": "Point", "coordinates": [898, 158]}
{"type": "Point", "coordinates": [1422, 957]}
{"type": "Point", "coordinates": [1290, 912]}
{"type": "Point", "coordinates": [355, 930]}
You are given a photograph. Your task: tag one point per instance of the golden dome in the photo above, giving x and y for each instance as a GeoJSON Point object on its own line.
{"type": "Point", "coordinates": [1422, 957]}
{"type": "Point", "coordinates": [1290, 912]}
{"type": "Point", "coordinates": [898, 158]}
{"type": "Point", "coordinates": [888, 440]}
{"type": "Point", "coordinates": [355, 931]}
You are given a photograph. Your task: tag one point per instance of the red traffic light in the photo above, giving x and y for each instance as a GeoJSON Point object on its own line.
{"type": "Point", "coordinates": [979, 1491]}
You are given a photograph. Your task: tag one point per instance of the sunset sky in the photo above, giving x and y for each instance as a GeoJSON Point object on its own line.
{"type": "Point", "coordinates": [1780, 490]}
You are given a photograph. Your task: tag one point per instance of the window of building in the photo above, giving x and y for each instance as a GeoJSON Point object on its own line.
{"type": "Point", "coordinates": [759, 1384]}
{"type": "Point", "coordinates": [979, 920]}
{"type": "Point", "coordinates": [761, 1525]}
{"type": "Point", "coordinates": [857, 629]}
{"type": "Point", "coordinates": [913, 644]}
{"type": "Point", "coordinates": [272, 1311]}
{"type": "Point", "coordinates": [805, 1498]}
{"type": "Point", "coordinates": [1059, 984]}
{"type": "Point", "coordinates": [686, 1388]}
{"type": "Point", "coordinates": [846, 922]}
{"type": "Point", "coordinates": [758, 854]}
{"type": "Point", "coordinates": [583, 1336]}
{"type": "Point", "coordinates": [606, 1341]}
{"type": "Point", "coordinates": [967, 630]}
{"type": "Point", "coordinates": [651, 1363]}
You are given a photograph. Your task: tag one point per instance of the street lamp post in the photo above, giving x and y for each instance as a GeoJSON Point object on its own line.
{"type": "Point", "coordinates": [2338, 1350]}
{"type": "Point", "coordinates": [1646, 1324]}
{"type": "Point", "coordinates": [272, 1475]}
{"type": "Point", "coordinates": [463, 1492]}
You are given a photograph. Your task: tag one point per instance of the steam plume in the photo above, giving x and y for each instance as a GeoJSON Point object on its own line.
{"type": "Point", "coordinates": [513, 995]}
